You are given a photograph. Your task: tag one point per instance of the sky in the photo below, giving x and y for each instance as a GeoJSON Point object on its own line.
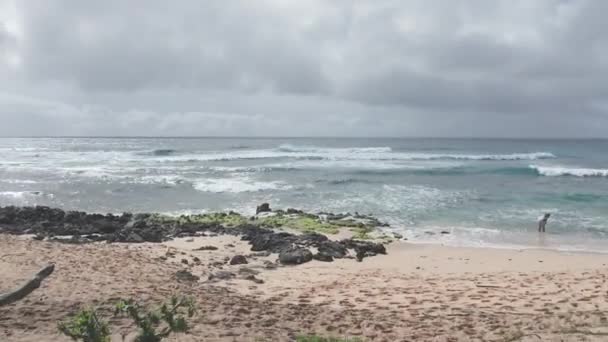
{"type": "Point", "coordinates": [402, 68]}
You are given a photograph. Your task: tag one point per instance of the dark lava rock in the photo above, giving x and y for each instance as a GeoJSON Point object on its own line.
{"type": "Point", "coordinates": [267, 240]}
{"type": "Point", "coordinates": [254, 279]}
{"type": "Point", "coordinates": [323, 257]}
{"type": "Point", "coordinates": [133, 237]}
{"type": "Point", "coordinates": [222, 275]}
{"type": "Point", "coordinates": [263, 208]}
{"type": "Point", "coordinates": [295, 256]}
{"type": "Point", "coordinates": [333, 249]}
{"type": "Point", "coordinates": [238, 260]}
{"type": "Point", "coordinates": [206, 248]}
{"type": "Point", "coordinates": [364, 248]}
{"type": "Point", "coordinates": [185, 275]}
{"type": "Point", "coordinates": [445, 232]}
{"type": "Point", "coordinates": [134, 228]}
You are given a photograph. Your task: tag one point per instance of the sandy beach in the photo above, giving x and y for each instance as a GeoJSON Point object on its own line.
{"type": "Point", "coordinates": [414, 293]}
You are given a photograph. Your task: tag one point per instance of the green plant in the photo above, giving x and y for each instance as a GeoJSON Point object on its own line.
{"type": "Point", "coordinates": [173, 314]}
{"type": "Point", "coordinates": [86, 326]}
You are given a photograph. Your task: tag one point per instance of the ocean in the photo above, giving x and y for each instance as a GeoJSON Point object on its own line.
{"type": "Point", "coordinates": [485, 192]}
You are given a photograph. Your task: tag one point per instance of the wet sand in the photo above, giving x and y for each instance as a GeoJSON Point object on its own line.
{"type": "Point", "coordinates": [416, 292]}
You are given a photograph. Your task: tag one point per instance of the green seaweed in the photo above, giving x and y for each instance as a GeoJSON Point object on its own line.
{"type": "Point", "coordinates": [230, 219]}
{"type": "Point", "coordinates": [304, 223]}
{"type": "Point", "coordinates": [309, 224]}
{"type": "Point", "coordinates": [362, 226]}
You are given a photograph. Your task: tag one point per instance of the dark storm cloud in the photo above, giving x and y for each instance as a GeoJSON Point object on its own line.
{"type": "Point", "coordinates": [278, 67]}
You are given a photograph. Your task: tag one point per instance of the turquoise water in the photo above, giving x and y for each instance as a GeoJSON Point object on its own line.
{"type": "Point", "coordinates": [485, 192]}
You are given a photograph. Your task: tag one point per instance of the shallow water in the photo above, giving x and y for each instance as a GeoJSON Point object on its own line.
{"type": "Point", "coordinates": [485, 192]}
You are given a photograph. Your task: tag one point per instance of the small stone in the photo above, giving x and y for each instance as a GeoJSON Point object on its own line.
{"type": "Point", "coordinates": [445, 232]}
{"type": "Point", "coordinates": [254, 279]}
{"type": "Point", "coordinates": [221, 275]}
{"type": "Point", "coordinates": [185, 261]}
{"type": "Point", "coordinates": [185, 275]}
{"type": "Point", "coordinates": [270, 265]}
{"type": "Point", "coordinates": [189, 240]}
{"type": "Point", "coordinates": [206, 248]}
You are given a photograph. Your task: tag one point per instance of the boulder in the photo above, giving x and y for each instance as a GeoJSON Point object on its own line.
{"type": "Point", "coordinates": [333, 249]}
{"type": "Point", "coordinates": [238, 260]}
{"type": "Point", "coordinates": [295, 256]}
{"type": "Point", "coordinates": [263, 208]}
{"type": "Point", "coordinates": [364, 248]}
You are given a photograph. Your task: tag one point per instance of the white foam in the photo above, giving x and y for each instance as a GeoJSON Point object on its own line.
{"type": "Point", "coordinates": [13, 194]}
{"type": "Point", "coordinates": [345, 155]}
{"type": "Point", "coordinates": [237, 185]}
{"type": "Point", "coordinates": [23, 194]}
{"type": "Point", "coordinates": [20, 181]}
{"type": "Point", "coordinates": [160, 179]}
{"type": "Point", "coordinates": [554, 171]}
{"type": "Point", "coordinates": [314, 149]}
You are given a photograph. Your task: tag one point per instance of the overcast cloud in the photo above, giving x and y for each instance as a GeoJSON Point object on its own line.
{"type": "Point", "coordinates": [507, 68]}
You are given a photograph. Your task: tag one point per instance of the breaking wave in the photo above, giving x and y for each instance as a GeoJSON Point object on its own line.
{"type": "Point", "coordinates": [237, 185]}
{"type": "Point", "coordinates": [554, 171]}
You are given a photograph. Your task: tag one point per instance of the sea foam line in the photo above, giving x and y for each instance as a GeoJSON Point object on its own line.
{"type": "Point", "coordinates": [554, 171]}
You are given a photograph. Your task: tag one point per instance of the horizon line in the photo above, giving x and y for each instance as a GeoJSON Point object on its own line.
{"type": "Point", "coordinates": [291, 137]}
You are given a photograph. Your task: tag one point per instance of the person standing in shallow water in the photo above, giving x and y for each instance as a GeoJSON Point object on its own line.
{"type": "Point", "coordinates": [543, 222]}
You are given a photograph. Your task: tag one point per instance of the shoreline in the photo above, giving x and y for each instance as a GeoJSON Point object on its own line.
{"type": "Point", "coordinates": [244, 290]}
{"type": "Point", "coordinates": [415, 292]}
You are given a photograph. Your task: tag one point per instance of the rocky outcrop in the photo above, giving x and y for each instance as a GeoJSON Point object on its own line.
{"type": "Point", "coordinates": [263, 208]}
{"type": "Point", "coordinates": [81, 227]}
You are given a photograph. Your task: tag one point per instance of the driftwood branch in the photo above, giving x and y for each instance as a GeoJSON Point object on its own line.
{"type": "Point", "coordinates": [28, 287]}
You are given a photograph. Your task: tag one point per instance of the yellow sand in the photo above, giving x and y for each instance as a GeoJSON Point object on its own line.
{"type": "Point", "coordinates": [415, 293]}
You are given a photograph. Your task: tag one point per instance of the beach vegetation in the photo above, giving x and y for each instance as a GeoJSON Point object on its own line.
{"type": "Point", "coordinates": [154, 325]}
{"type": "Point", "coordinates": [86, 326]}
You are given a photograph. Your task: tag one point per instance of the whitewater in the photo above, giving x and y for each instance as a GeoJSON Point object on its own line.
{"type": "Point", "coordinates": [485, 192]}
